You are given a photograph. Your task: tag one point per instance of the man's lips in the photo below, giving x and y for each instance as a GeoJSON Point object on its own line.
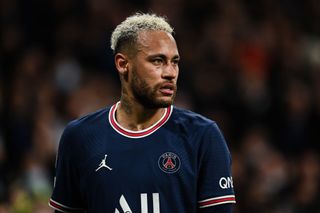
{"type": "Point", "coordinates": [167, 88]}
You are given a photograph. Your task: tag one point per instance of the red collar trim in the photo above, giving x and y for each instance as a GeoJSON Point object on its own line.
{"type": "Point", "coordinates": [141, 133]}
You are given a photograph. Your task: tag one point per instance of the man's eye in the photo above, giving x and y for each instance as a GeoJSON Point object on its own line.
{"type": "Point", "coordinates": [176, 62]}
{"type": "Point", "coordinates": [157, 61]}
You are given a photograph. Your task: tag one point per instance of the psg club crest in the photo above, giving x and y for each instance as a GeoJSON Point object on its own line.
{"type": "Point", "coordinates": [169, 162]}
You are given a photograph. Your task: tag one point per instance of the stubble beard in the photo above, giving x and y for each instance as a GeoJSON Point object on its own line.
{"type": "Point", "coordinates": [147, 95]}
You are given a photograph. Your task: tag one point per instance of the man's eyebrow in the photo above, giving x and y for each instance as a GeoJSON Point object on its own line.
{"type": "Point", "coordinates": [176, 57]}
{"type": "Point", "coordinates": [157, 55]}
{"type": "Point", "coordinates": [163, 56]}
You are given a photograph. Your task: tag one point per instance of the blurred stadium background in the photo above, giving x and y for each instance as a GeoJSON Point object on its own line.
{"type": "Point", "coordinates": [251, 65]}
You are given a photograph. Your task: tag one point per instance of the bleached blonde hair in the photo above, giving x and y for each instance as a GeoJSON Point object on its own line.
{"type": "Point", "coordinates": [126, 33]}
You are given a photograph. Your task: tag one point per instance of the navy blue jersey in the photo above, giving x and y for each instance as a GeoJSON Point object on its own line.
{"type": "Point", "coordinates": [180, 164]}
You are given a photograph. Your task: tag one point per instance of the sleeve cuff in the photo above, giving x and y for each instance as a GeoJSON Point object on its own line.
{"type": "Point", "coordinates": [60, 207]}
{"type": "Point", "coordinates": [216, 201]}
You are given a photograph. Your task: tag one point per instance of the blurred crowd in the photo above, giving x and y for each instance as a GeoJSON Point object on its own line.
{"type": "Point", "coordinates": [251, 65]}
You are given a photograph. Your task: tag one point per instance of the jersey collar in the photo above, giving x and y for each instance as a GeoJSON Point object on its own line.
{"type": "Point", "coordinates": [141, 133]}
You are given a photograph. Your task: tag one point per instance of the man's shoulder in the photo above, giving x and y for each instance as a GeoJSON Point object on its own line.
{"type": "Point", "coordinates": [82, 130]}
{"type": "Point", "coordinates": [192, 118]}
{"type": "Point", "coordinates": [89, 120]}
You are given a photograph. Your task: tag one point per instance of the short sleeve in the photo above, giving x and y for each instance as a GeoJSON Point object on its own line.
{"type": "Point", "coordinates": [66, 196]}
{"type": "Point", "coordinates": [215, 184]}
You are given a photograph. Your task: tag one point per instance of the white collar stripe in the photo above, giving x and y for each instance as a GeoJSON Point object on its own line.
{"type": "Point", "coordinates": [137, 134]}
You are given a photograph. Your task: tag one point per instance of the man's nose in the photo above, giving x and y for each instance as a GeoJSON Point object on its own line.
{"type": "Point", "coordinates": [170, 71]}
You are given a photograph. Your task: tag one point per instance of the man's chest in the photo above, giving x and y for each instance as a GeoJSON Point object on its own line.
{"type": "Point", "coordinates": [137, 173]}
{"type": "Point", "coordinates": [132, 162]}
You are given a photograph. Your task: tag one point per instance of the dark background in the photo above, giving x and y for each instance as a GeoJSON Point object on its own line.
{"type": "Point", "coordinates": [251, 65]}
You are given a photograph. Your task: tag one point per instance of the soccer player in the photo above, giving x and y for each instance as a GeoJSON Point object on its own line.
{"type": "Point", "coordinates": [143, 154]}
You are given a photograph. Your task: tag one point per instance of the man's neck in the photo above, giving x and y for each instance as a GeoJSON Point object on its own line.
{"type": "Point", "coordinates": [135, 117]}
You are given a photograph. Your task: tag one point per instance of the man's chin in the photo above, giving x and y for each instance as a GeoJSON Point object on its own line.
{"type": "Point", "coordinates": [160, 103]}
{"type": "Point", "coordinates": [163, 103]}
{"type": "Point", "coordinates": [154, 102]}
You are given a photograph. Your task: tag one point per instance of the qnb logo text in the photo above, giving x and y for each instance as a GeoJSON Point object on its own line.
{"type": "Point", "coordinates": [226, 182]}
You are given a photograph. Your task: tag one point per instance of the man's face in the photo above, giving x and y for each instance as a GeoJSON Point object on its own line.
{"type": "Point", "coordinates": [154, 69]}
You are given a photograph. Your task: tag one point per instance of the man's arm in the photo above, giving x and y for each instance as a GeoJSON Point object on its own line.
{"type": "Point", "coordinates": [66, 196]}
{"type": "Point", "coordinates": [224, 208]}
{"type": "Point", "coordinates": [56, 211]}
{"type": "Point", "coordinates": [216, 194]}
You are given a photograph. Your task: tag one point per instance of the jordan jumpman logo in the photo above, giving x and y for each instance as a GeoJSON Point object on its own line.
{"type": "Point", "coordinates": [103, 164]}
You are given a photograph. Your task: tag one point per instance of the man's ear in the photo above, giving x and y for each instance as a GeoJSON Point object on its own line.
{"type": "Point", "coordinates": [121, 62]}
